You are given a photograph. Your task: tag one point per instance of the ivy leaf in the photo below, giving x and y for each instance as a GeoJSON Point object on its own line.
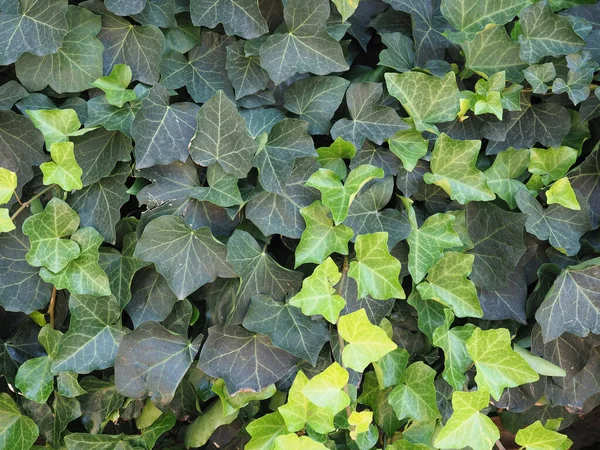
{"type": "Point", "coordinates": [6, 223]}
{"type": "Point", "coordinates": [584, 179]}
{"type": "Point", "coordinates": [264, 364]}
{"type": "Point", "coordinates": [502, 176]}
{"type": "Point", "coordinates": [367, 343]}
{"type": "Point", "coordinates": [573, 303]}
{"type": "Point", "coordinates": [93, 337]}
{"type": "Point", "coordinates": [243, 18]}
{"type": "Point", "coordinates": [294, 442]}
{"type": "Point", "coordinates": [63, 170]}
{"type": "Point", "coordinates": [152, 361]}
{"type": "Point", "coordinates": [497, 239]}
{"type": "Point", "coordinates": [287, 141]}
{"type": "Point", "coordinates": [561, 192]}
{"type": "Point", "coordinates": [326, 390]}
{"type": "Point", "coordinates": [469, 18]}
{"type": "Point", "coordinates": [280, 214]}
{"type": "Point", "coordinates": [46, 232]}
{"type": "Point", "coordinates": [415, 396]}
{"type": "Point", "coordinates": [376, 271]}
{"type": "Point", "coordinates": [391, 368]}
{"type": "Point", "coordinates": [287, 327]}
{"type": "Point", "coordinates": [76, 64]}
{"type": "Point", "coordinates": [99, 401]}
{"type": "Point", "coordinates": [21, 288]}
{"type": "Point", "coordinates": [55, 124]}
{"type": "Point", "coordinates": [546, 34]}
{"type": "Point", "coordinates": [139, 47]}
{"type": "Point", "coordinates": [337, 196]}
{"type": "Point", "coordinates": [315, 99]}
{"type": "Point", "coordinates": [222, 190]}
{"type": "Point", "coordinates": [159, 126]}
{"type": "Point", "coordinates": [187, 258]}
{"type": "Point", "coordinates": [35, 380]}
{"type": "Point", "coordinates": [259, 273]}
{"type": "Point", "coordinates": [538, 75]}
{"type": "Point", "coordinates": [428, 243]}
{"type": "Point", "coordinates": [581, 71]}
{"type": "Point", "coordinates": [36, 27]}
{"type": "Point", "coordinates": [492, 51]}
{"type": "Point", "coordinates": [115, 85]}
{"type": "Point", "coordinates": [467, 426]}
{"type": "Point", "coordinates": [306, 47]}
{"type": "Point", "coordinates": [453, 342]}
{"type": "Point", "coordinates": [369, 120]}
{"type": "Point", "coordinates": [447, 283]}
{"type": "Point", "coordinates": [17, 431]}
{"type": "Point", "coordinates": [441, 94]}
{"type": "Point", "coordinates": [537, 437]}
{"type": "Point", "coordinates": [245, 72]}
{"type": "Point", "coordinates": [321, 237]}
{"type": "Point", "coordinates": [82, 275]}
{"type": "Point", "coordinates": [507, 302]}
{"type": "Point", "coordinates": [265, 430]}
{"type": "Point", "coordinates": [120, 9]}
{"type": "Point", "coordinates": [318, 296]}
{"type": "Point", "coordinates": [261, 120]}
{"type": "Point", "coordinates": [552, 163]}
{"type": "Point", "coordinates": [226, 142]}
{"type": "Point", "coordinates": [8, 184]}
{"type": "Point", "coordinates": [498, 365]}
{"type": "Point", "coordinates": [409, 146]}
{"type": "Point", "coordinates": [400, 54]}
{"type": "Point", "coordinates": [561, 226]}
{"type": "Point", "coordinates": [453, 169]}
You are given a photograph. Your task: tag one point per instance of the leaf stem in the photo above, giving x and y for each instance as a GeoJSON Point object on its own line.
{"type": "Point", "coordinates": [28, 202]}
{"type": "Point", "coordinates": [499, 445]}
{"type": "Point", "coordinates": [51, 306]}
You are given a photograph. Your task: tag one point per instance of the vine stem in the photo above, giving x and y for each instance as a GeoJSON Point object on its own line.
{"type": "Point", "coordinates": [28, 202]}
{"type": "Point", "coordinates": [499, 445]}
{"type": "Point", "coordinates": [51, 306]}
{"type": "Point", "coordinates": [340, 339]}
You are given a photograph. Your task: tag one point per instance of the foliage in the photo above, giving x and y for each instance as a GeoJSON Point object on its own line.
{"type": "Point", "coordinates": [298, 224]}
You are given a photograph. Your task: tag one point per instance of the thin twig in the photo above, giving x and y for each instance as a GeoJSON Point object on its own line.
{"type": "Point", "coordinates": [499, 445]}
{"type": "Point", "coordinates": [28, 202]}
{"type": "Point", "coordinates": [17, 197]}
{"type": "Point", "coordinates": [52, 305]}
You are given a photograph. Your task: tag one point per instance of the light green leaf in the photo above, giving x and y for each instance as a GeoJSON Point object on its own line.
{"type": "Point", "coordinates": [82, 275]}
{"type": "Point", "coordinates": [318, 296]}
{"type": "Point", "coordinates": [187, 258]}
{"type": "Point", "coordinates": [35, 380]}
{"type": "Point", "coordinates": [492, 51]}
{"type": "Point", "coordinates": [76, 64]}
{"type": "Point", "coordinates": [360, 423]}
{"type": "Point", "coordinates": [552, 163]}
{"type": "Point", "coordinates": [501, 178]}
{"type": "Point", "coordinates": [498, 365]}
{"type": "Point", "coordinates": [294, 442]}
{"type": "Point", "coordinates": [55, 124]}
{"type": "Point", "coordinates": [428, 99]}
{"type": "Point", "coordinates": [367, 343]}
{"type": "Point", "coordinates": [226, 141]}
{"type": "Point", "coordinates": [8, 184]}
{"type": "Point", "coordinates": [376, 271]}
{"type": "Point", "coordinates": [538, 75]}
{"type": "Point", "coordinates": [242, 18]}
{"type": "Point", "coordinates": [428, 243]}
{"type": "Point", "coordinates": [415, 396]}
{"type": "Point", "coordinates": [306, 46]}
{"type": "Point", "coordinates": [6, 223]}
{"type": "Point", "coordinates": [453, 169]}
{"type": "Point", "coordinates": [326, 389]}
{"type": "Point", "coordinates": [544, 33]}
{"type": "Point", "coordinates": [17, 431]}
{"type": "Point", "coordinates": [447, 283]}
{"type": "Point", "coordinates": [369, 119]}
{"type": "Point", "coordinates": [46, 231]}
{"type": "Point", "coordinates": [453, 342]}
{"type": "Point", "coordinates": [115, 85]}
{"type": "Point", "coordinates": [315, 99]}
{"type": "Point", "coordinates": [34, 26]}
{"type": "Point", "coordinates": [540, 365]}
{"type": "Point", "coordinates": [467, 426]}
{"type": "Point", "coordinates": [152, 361]}
{"type": "Point", "coordinates": [321, 237]}
{"type": "Point", "coordinates": [536, 437]}
{"type": "Point", "coordinates": [93, 337]}
{"type": "Point", "coordinates": [346, 7]}
{"type": "Point", "coordinates": [468, 17]}
{"type": "Point", "coordinates": [409, 146]}
{"type": "Point", "coordinates": [63, 170]}
{"type": "Point", "coordinates": [264, 431]}
{"type": "Point", "coordinates": [391, 368]}
{"type": "Point", "coordinates": [287, 327]}
{"type": "Point", "coordinates": [562, 193]}
{"type": "Point", "coordinates": [337, 196]}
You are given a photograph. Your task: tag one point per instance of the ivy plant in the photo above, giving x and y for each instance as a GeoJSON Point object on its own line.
{"type": "Point", "coordinates": [298, 224]}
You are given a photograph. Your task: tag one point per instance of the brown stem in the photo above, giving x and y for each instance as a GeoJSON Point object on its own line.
{"type": "Point", "coordinates": [28, 202]}
{"type": "Point", "coordinates": [499, 445]}
{"type": "Point", "coordinates": [17, 197]}
{"type": "Point", "coordinates": [340, 339]}
{"type": "Point", "coordinates": [52, 305]}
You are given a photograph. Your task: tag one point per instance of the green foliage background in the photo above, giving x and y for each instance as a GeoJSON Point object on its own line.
{"type": "Point", "coordinates": [298, 224]}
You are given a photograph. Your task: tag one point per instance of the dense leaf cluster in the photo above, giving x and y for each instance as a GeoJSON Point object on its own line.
{"type": "Point", "coordinates": [299, 224]}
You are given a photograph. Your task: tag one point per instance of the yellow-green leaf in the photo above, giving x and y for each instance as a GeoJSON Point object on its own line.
{"type": "Point", "coordinates": [63, 169]}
